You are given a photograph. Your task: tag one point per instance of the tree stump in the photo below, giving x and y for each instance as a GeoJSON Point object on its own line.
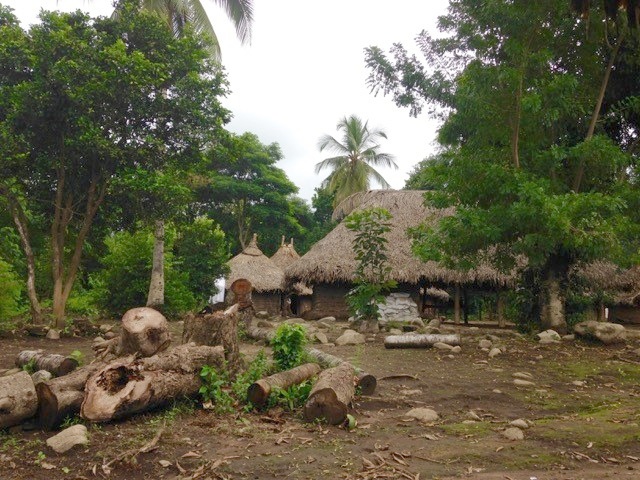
{"type": "Point", "coordinates": [367, 383]}
{"type": "Point", "coordinates": [145, 331]}
{"type": "Point", "coordinates": [259, 392]}
{"type": "Point", "coordinates": [420, 341]}
{"type": "Point", "coordinates": [331, 395]}
{"type": "Point", "coordinates": [217, 328]}
{"type": "Point", "coordinates": [126, 387]}
{"type": "Point", "coordinates": [18, 400]}
{"type": "Point", "coordinates": [58, 365]}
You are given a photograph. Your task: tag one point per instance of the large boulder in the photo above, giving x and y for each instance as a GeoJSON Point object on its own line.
{"type": "Point", "coordinates": [605, 332]}
{"type": "Point", "coordinates": [350, 337]}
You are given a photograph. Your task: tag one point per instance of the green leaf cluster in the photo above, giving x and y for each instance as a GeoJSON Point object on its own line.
{"type": "Point", "coordinates": [288, 345]}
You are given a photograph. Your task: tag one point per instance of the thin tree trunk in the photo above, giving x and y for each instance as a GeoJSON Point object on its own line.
{"type": "Point", "coordinates": [515, 134]}
{"type": "Point", "coordinates": [552, 302]}
{"type": "Point", "coordinates": [500, 309]}
{"type": "Point", "coordinates": [155, 298]}
{"type": "Point", "coordinates": [20, 221]}
{"type": "Point", "coordinates": [577, 181]}
{"type": "Point", "coordinates": [456, 305]}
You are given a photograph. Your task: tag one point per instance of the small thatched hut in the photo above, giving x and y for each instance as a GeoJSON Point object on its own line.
{"type": "Point", "coordinates": [298, 299]}
{"type": "Point", "coordinates": [266, 278]}
{"type": "Point", "coordinates": [330, 264]}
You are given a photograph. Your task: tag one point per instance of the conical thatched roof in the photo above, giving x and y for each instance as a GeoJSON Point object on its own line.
{"type": "Point", "coordinates": [285, 255]}
{"type": "Point", "coordinates": [332, 260]}
{"type": "Point", "coordinates": [256, 267]}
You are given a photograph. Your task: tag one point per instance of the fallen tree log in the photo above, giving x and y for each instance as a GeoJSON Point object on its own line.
{"type": "Point", "coordinates": [264, 334]}
{"type": "Point", "coordinates": [58, 365]}
{"type": "Point", "coordinates": [61, 397]}
{"type": "Point", "coordinates": [258, 392]}
{"type": "Point", "coordinates": [145, 331]}
{"type": "Point", "coordinates": [125, 387]}
{"type": "Point", "coordinates": [331, 395]}
{"type": "Point", "coordinates": [217, 328]}
{"type": "Point", "coordinates": [420, 341]}
{"type": "Point", "coordinates": [366, 382]}
{"type": "Point", "coordinates": [18, 400]}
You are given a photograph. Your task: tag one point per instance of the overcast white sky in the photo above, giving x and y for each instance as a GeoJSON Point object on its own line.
{"type": "Point", "coordinates": [304, 70]}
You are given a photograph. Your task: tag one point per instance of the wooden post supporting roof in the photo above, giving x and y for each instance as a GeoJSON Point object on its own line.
{"type": "Point", "coordinates": [456, 305]}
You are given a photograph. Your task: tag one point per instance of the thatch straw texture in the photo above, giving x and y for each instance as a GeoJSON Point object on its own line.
{"type": "Point", "coordinates": [607, 276]}
{"type": "Point", "coordinates": [285, 255]}
{"type": "Point", "coordinates": [256, 267]}
{"type": "Point", "coordinates": [332, 260]}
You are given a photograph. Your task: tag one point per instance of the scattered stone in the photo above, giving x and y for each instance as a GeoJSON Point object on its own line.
{"type": "Point", "coordinates": [262, 314]}
{"type": "Point", "coordinates": [426, 415]}
{"type": "Point", "coordinates": [474, 329]}
{"type": "Point", "coordinates": [324, 325]}
{"type": "Point", "coordinates": [41, 376]}
{"type": "Point", "coordinates": [568, 338]}
{"type": "Point", "coordinates": [513, 434]}
{"type": "Point", "coordinates": [520, 423]}
{"type": "Point", "coordinates": [321, 337]}
{"type": "Point", "coordinates": [371, 339]}
{"type": "Point", "coordinates": [495, 390]}
{"type": "Point", "coordinates": [328, 319]}
{"type": "Point", "coordinates": [408, 393]}
{"type": "Point", "coordinates": [350, 337]}
{"type": "Point", "coordinates": [110, 335]}
{"type": "Point", "coordinates": [493, 338]}
{"type": "Point", "coordinates": [98, 340]}
{"type": "Point", "coordinates": [68, 438]}
{"type": "Point", "coordinates": [495, 352]}
{"type": "Point", "coordinates": [442, 346]}
{"type": "Point", "coordinates": [434, 323]}
{"type": "Point", "coordinates": [417, 322]}
{"type": "Point", "coordinates": [549, 336]}
{"type": "Point", "coordinates": [105, 327]}
{"type": "Point", "coordinates": [165, 463]}
{"type": "Point", "coordinates": [295, 320]}
{"type": "Point", "coordinates": [456, 349]}
{"type": "Point", "coordinates": [395, 331]}
{"type": "Point", "coordinates": [431, 330]}
{"type": "Point", "coordinates": [53, 334]}
{"type": "Point", "coordinates": [523, 375]}
{"type": "Point", "coordinates": [484, 343]}
{"type": "Point", "coordinates": [579, 383]}
{"type": "Point", "coordinates": [471, 415]}
{"type": "Point", "coordinates": [264, 324]}
{"type": "Point", "coordinates": [11, 371]}
{"type": "Point", "coordinates": [605, 332]}
{"type": "Point", "coordinates": [523, 383]}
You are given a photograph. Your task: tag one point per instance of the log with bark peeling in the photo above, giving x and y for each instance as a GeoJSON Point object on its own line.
{"type": "Point", "coordinates": [18, 400]}
{"type": "Point", "coordinates": [259, 392]}
{"type": "Point", "coordinates": [58, 365]}
{"type": "Point", "coordinates": [331, 395]}
{"type": "Point", "coordinates": [124, 387]}
{"type": "Point", "coordinates": [366, 382]}
{"type": "Point", "coordinates": [420, 341]}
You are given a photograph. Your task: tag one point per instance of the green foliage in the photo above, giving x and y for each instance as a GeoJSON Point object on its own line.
{"type": "Point", "coordinates": [288, 345]}
{"type": "Point", "coordinates": [214, 389]}
{"type": "Point", "coordinates": [123, 282]}
{"type": "Point", "coordinates": [30, 366]}
{"type": "Point", "coordinates": [293, 397]}
{"type": "Point", "coordinates": [70, 421]}
{"type": "Point", "coordinates": [372, 270]}
{"type": "Point", "coordinates": [78, 356]}
{"type": "Point", "coordinates": [10, 292]}
{"type": "Point", "coordinates": [256, 369]}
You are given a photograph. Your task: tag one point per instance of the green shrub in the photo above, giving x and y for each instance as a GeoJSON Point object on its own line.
{"type": "Point", "coordinates": [10, 292]}
{"type": "Point", "coordinates": [213, 391]}
{"type": "Point", "coordinates": [288, 345]}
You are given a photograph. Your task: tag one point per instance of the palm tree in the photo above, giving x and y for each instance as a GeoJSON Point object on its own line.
{"type": "Point", "coordinates": [357, 153]}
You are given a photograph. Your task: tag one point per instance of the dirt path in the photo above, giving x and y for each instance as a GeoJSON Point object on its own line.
{"type": "Point", "coordinates": [583, 407]}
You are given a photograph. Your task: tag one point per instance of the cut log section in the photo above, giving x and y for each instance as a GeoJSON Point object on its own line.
{"type": "Point", "coordinates": [145, 331]}
{"type": "Point", "coordinates": [61, 397]}
{"type": "Point", "coordinates": [18, 400]}
{"type": "Point", "coordinates": [217, 328]}
{"type": "Point", "coordinates": [58, 365]}
{"type": "Point", "coordinates": [366, 382]}
{"type": "Point", "coordinates": [126, 387]}
{"type": "Point", "coordinates": [264, 334]}
{"type": "Point", "coordinates": [420, 341]}
{"type": "Point", "coordinates": [331, 395]}
{"type": "Point", "coordinates": [259, 392]}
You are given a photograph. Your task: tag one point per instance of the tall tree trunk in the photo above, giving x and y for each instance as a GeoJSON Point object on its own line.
{"type": "Point", "coordinates": [577, 181]}
{"type": "Point", "coordinates": [20, 221]}
{"type": "Point", "coordinates": [456, 305]}
{"type": "Point", "coordinates": [155, 298]}
{"type": "Point", "coordinates": [552, 308]}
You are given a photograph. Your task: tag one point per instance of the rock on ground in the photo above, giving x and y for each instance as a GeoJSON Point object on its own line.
{"type": "Point", "coordinates": [423, 414]}
{"type": "Point", "coordinates": [350, 337]}
{"type": "Point", "coordinates": [513, 434]}
{"type": "Point", "coordinates": [605, 332]}
{"type": "Point", "coordinates": [68, 438]}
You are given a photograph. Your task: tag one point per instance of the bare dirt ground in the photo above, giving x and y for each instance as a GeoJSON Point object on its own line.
{"type": "Point", "coordinates": [584, 410]}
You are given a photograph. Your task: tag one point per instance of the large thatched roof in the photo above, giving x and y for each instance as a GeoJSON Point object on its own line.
{"type": "Point", "coordinates": [256, 267]}
{"type": "Point", "coordinates": [332, 260]}
{"type": "Point", "coordinates": [285, 255]}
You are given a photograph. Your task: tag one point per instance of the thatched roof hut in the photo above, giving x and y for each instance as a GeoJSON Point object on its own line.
{"type": "Point", "coordinates": [285, 255]}
{"type": "Point", "coordinates": [331, 260]}
{"type": "Point", "coordinates": [256, 267]}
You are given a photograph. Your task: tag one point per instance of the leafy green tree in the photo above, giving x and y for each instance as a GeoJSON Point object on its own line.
{"type": "Point", "coordinates": [372, 281]}
{"type": "Point", "coordinates": [539, 177]}
{"type": "Point", "coordinates": [10, 292]}
{"type": "Point", "coordinates": [243, 190]}
{"type": "Point", "coordinates": [75, 117]}
{"type": "Point", "coordinates": [357, 152]}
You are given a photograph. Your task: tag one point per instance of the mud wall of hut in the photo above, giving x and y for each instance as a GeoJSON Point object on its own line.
{"type": "Point", "coordinates": [328, 301]}
{"type": "Point", "coordinates": [625, 314]}
{"type": "Point", "coordinates": [268, 301]}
